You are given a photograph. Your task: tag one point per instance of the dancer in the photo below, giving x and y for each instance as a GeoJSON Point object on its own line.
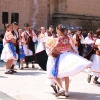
{"type": "Point", "coordinates": [51, 30]}
{"type": "Point", "coordinates": [29, 38]}
{"type": "Point", "coordinates": [15, 33]}
{"type": "Point", "coordinates": [9, 52]}
{"type": "Point", "coordinates": [79, 40]}
{"type": "Point", "coordinates": [95, 68]}
{"type": "Point", "coordinates": [62, 61]}
{"type": "Point", "coordinates": [21, 50]}
{"type": "Point", "coordinates": [40, 54]}
{"type": "Point", "coordinates": [1, 45]}
{"type": "Point", "coordinates": [89, 46]}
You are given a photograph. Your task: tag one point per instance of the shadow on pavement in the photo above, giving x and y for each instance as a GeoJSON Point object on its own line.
{"type": "Point", "coordinates": [81, 96]}
{"type": "Point", "coordinates": [29, 73]}
{"type": "Point", "coordinates": [3, 77]}
{"type": "Point", "coordinates": [32, 69]}
{"type": "Point", "coordinates": [2, 64]}
{"type": "Point", "coordinates": [4, 96]}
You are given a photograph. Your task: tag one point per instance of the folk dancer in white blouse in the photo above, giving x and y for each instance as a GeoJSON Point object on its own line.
{"type": "Point", "coordinates": [29, 37]}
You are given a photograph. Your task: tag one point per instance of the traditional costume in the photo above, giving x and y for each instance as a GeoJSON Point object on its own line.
{"type": "Point", "coordinates": [79, 39]}
{"type": "Point", "coordinates": [9, 51]}
{"type": "Point", "coordinates": [95, 68]}
{"type": "Point", "coordinates": [16, 36]}
{"type": "Point", "coordinates": [89, 47]}
{"type": "Point", "coordinates": [66, 63]}
{"type": "Point", "coordinates": [29, 46]}
{"type": "Point", "coordinates": [40, 54]}
{"type": "Point", "coordinates": [21, 50]}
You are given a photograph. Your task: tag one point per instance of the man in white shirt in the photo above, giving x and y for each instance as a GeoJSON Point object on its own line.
{"type": "Point", "coordinates": [29, 37]}
{"type": "Point", "coordinates": [89, 42]}
{"type": "Point", "coordinates": [78, 37]}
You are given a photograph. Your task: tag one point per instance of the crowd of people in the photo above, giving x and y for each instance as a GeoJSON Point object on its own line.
{"type": "Point", "coordinates": [61, 54]}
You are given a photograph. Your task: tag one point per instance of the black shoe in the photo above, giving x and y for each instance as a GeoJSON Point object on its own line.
{"type": "Point", "coordinates": [66, 95]}
{"type": "Point", "coordinates": [21, 68]}
{"type": "Point", "coordinates": [96, 82]}
{"type": "Point", "coordinates": [54, 88]}
{"type": "Point", "coordinates": [26, 67]}
{"type": "Point", "coordinates": [33, 66]}
{"type": "Point", "coordinates": [9, 72]}
{"type": "Point", "coordinates": [12, 67]}
{"type": "Point", "coordinates": [14, 71]}
{"type": "Point", "coordinates": [89, 78]}
{"type": "Point", "coordinates": [60, 93]}
{"type": "Point", "coordinates": [57, 87]}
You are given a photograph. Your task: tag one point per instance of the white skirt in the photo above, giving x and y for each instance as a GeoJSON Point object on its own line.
{"type": "Point", "coordinates": [69, 64]}
{"type": "Point", "coordinates": [95, 68]}
{"type": "Point", "coordinates": [27, 51]}
{"type": "Point", "coordinates": [7, 54]}
{"type": "Point", "coordinates": [40, 47]}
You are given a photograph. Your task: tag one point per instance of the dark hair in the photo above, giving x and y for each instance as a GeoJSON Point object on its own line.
{"type": "Point", "coordinates": [7, 26]}
{"type": "Point", "coordinates": [90, 32]}
{"type": "Point", "coordinates": [98, 32]}
{"type": "Point", "coordinates": [35, 31]}
{"type": "Point", "coordinates": [38, 32]}
{"type": "Point", "coordinates": [79, 29]}
{"type": "Point", "coordinates": [26, 25]}
{"type": "Point", "coordinates": [49, 33]}
{"type": "Point", "coordinates": [51, 26]}
{"type": "Point", "coordinates": [61, 28]}
{"type": "Point", "coordinates": [15, 23]}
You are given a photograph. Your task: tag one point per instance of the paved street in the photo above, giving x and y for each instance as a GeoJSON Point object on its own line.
{"type": "Point", "coordinates": [31, 84]}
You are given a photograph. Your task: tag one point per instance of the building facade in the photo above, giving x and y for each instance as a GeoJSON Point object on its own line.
{"type": "Point", "coordinates": [45, 12]}
{"type": "Point", "coordinates": [30, 11]}
{"type": "Point", "coordinates": [83, 13]}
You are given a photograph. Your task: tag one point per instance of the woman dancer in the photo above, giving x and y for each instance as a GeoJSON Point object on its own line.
{"type": "Point", "coordinates": [62, 61]}
{"type": "Point", "coordinates": [40, 54]}
{"type": "Point", "coordinates": [9, 52]}
{"type": "Point", "coordinates": [95, 68]}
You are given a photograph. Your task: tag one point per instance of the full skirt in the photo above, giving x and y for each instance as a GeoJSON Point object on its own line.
{"type": "Point", "coordinates": [69, 64]}
{"type": "Point", "coordinates": [41, 59]}
{"type": "Point", "coordinates": [7, 53]}
{"type": "Point", "coordinates": [95, 68]}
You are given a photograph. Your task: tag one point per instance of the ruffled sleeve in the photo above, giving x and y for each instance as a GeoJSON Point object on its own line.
{"type": "Point", "coordinates": [98, 43]}
{"type": "Point", "coordinates": [50, 44]}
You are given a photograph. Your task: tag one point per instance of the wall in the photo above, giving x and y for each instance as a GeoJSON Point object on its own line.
{"type": "Point", "coordinates": [32, 11]}
{"type": "Point", "coordinates": [87, 7]}
{"type": "Point", "coordinates": [40, 12]}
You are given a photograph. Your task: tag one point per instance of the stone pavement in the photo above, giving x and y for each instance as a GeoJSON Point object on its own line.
{"type": "Point", "coordinates": [30, 84]}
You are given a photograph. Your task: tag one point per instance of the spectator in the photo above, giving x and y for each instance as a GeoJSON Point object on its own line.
{"type": "Point", "coordinates": [1, 45]}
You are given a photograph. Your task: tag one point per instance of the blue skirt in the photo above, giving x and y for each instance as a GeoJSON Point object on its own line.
{"type": "Point", "coordinates": [21, 53]}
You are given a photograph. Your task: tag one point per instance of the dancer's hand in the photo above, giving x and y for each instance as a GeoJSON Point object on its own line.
{"type": "Point", "coordinates": [57, 50]}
